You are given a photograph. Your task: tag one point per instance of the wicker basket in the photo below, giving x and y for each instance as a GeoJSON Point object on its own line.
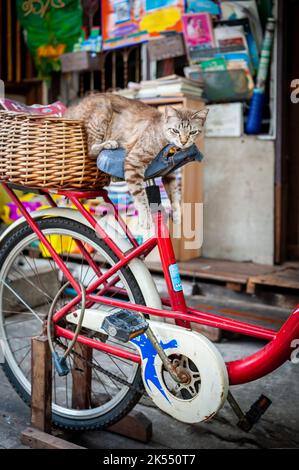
{"type": "Point", "coordinates": [46, 152]}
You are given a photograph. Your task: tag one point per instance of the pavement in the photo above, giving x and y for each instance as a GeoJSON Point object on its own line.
{"type": "Point", "coordinates": [278, 428]}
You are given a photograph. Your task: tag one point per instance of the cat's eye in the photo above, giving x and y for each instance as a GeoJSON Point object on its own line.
{"type": "Point", "coordinates": [193, 132]}
{"type": "Point", "coordinates": [175, 131]}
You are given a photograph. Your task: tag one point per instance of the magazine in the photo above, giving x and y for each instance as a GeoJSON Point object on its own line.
{"type": "Point", "coordinates": [229, 36]}
{"type": "Point", "coordinates": [198, 30]}
{"type": "Point", "coordinates": [55, 109]}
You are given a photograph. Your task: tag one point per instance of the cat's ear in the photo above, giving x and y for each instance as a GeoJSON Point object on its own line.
{"type": "Point", "coordinates": [200, 115]}
{"type": "Point", "coordinates": [170, 112]}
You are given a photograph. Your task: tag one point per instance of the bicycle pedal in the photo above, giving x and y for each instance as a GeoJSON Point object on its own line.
{"type": "Point", "coordinates": [124, 325]}
{"type": "Point", "coordinates": [255, 413]}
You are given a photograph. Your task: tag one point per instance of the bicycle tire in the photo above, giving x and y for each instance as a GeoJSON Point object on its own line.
{"type": "Point", "coordinates": [133, 394]}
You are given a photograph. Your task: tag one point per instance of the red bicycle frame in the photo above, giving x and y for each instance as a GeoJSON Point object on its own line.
{"type": "Point", "coordinates": [277, 350]}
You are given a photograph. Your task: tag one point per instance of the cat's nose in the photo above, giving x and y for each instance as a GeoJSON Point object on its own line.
{"type": "Point", "coordinates": [183, 139]}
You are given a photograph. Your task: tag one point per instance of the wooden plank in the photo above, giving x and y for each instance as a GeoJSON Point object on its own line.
{"type": "Point", "coordinates": [234, 286]}
{"type": "Point", "coordinates": [79, 61]}
{"type": "Point", "coordinates": [286, 279]}
{"type": "Point", "coordinates": [219, 270]}
{"type": "Point", "coordinates": [213, 334]}
{"type": "Point", "coordinates": [192, 181]}
{"type": "Point", "coordinates": [134, 426]}
{"type": "Point", "coordinates": [113, 63]}
{"type": "Point", "coordinates": [288, 129]}
{"type": "Point", "coordinates": [281, 71]}
{"type": "Point", "coordinates": [125, 56]}
{"type": "Point", "coordinates": [137, 64]}
{"type": "Point", "coordinates": [41, 384]}
{"type": "Point", "coordinates": [293, 251]}
{"type": "Point", "coordinates": [241, 269]}
{"type": "Point", "coordinates": [37, 439]}
{"type": "Point", "coordinates": [192, 197]}
{"type": "Point", "coordinates": [257, 314]}
{"type": "Point", "coordinates": [165, 100]}
{"type": "Point", "coordinates": [166, 48]}
{"type": "Point", "coordinates": [81, 373]}
{"type": "Point", "coordinates": [251, 286]}
{"type": "Point", "coordinates": [237, 274]}
{"type": "Point", "coordinates": [18, 53]}
{"type": "Point", "coordinates": [9, 57]}
{"type": "Point", "coordinates": [1, 35]}
{"type": "Point", "coordinates": [29, 66]}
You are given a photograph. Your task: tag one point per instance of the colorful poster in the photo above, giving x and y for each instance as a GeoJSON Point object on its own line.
{"type": "Point", "coordinates": [203, 6]}
{"type": "Point", "coordinates": [127, 22]}
{"type": "Point", "coordinates": [51, 27]}
{"type": "Point", "coordinates": [154, 4]}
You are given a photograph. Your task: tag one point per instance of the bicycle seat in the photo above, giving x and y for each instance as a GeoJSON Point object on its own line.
{"type": "Point", "coordinates": [169, 159]}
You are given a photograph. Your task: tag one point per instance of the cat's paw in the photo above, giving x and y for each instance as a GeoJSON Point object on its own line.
{"type": "Point", "coordinates": [110, 144]}
{"type": "Point", "coordinates": [176, 214]}
{"type": "Point", "coordinates": [95, 150]}
{"type": "Point", "coordinates": [145, 221]}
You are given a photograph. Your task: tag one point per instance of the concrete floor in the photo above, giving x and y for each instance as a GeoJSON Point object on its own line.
{"type": "Point", "coordinates": [279, 428]}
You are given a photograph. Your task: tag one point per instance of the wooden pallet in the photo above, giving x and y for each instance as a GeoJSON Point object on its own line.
{"type": "Point", "coordinates": [40, 434]}
{"type": "Point", "coordinates": [238, 276]}
{"type": "Point", "coordinates": [233, 274]}
{"type": "Point", "coordinates": [285, 278]}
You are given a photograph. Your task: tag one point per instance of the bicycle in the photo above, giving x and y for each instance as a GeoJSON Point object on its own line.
{"type": "Point", "coordinates": [88, 277]}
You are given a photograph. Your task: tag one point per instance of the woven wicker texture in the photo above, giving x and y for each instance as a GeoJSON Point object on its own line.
{"type": "Point", "coordinates": [46, 152]}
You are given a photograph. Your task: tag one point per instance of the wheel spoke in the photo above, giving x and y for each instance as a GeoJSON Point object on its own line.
{"type": "Point", "coordinates": [21, 300]}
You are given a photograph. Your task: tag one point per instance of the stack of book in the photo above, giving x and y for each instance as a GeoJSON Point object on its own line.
{"type": "Point", "coordinates": [165, 87]}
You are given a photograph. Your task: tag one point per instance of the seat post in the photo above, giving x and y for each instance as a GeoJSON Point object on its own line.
{"type": "Point", "coordinates": [153, 195]}
{"type": "Point", "coordinates": [150, 182]}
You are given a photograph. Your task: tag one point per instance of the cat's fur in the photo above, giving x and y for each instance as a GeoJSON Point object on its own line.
{"type": "Point", "coordinates": [113, 121]}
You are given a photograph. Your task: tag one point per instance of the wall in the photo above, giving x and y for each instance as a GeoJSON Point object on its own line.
{"type": "Point", "coordinates": [239, 199]}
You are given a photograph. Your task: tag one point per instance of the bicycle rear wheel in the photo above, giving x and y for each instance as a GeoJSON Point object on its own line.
{"type": "Point", "coordinates": [29, 280]}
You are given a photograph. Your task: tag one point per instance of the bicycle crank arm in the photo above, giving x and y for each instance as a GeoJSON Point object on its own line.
{"type": "Point", "coordinates": [197, 399]}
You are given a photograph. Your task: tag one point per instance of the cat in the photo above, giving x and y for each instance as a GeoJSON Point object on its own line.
{"type": "Point", "coordinates": [113, 121]}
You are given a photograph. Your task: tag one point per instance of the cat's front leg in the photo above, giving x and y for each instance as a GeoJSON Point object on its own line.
{"type": "Point", "coordinates": [172, 191]}
{"type": "Point", "coordinates": [134, 176]}
{"type": "Point", "coordinates": [144, 215]}
{"type": "Point", "coordinates": [97, 130]}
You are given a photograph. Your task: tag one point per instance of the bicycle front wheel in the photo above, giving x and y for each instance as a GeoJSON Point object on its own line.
{"type": "Point", "coordinates": [29, 281]}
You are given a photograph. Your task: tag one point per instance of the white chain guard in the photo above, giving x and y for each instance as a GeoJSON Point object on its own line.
{"type": "Point", "coordinates": [209, 362]}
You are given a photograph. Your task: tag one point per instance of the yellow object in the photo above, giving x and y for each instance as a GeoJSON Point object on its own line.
{"type": "Point", "coordinates": [5, 213]}
{"type": "Point", "coordinates": [60, 243]}
{"type": "Point", "coordinates": [50, 51]}
{"type": "Point", "coordinates": [6, 210]}
{"type": "Point", "coordinates": [160, 20]}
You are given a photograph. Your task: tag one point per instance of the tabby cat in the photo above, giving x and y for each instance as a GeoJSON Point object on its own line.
{"type": "Point", "coordinates": [113, 121]}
